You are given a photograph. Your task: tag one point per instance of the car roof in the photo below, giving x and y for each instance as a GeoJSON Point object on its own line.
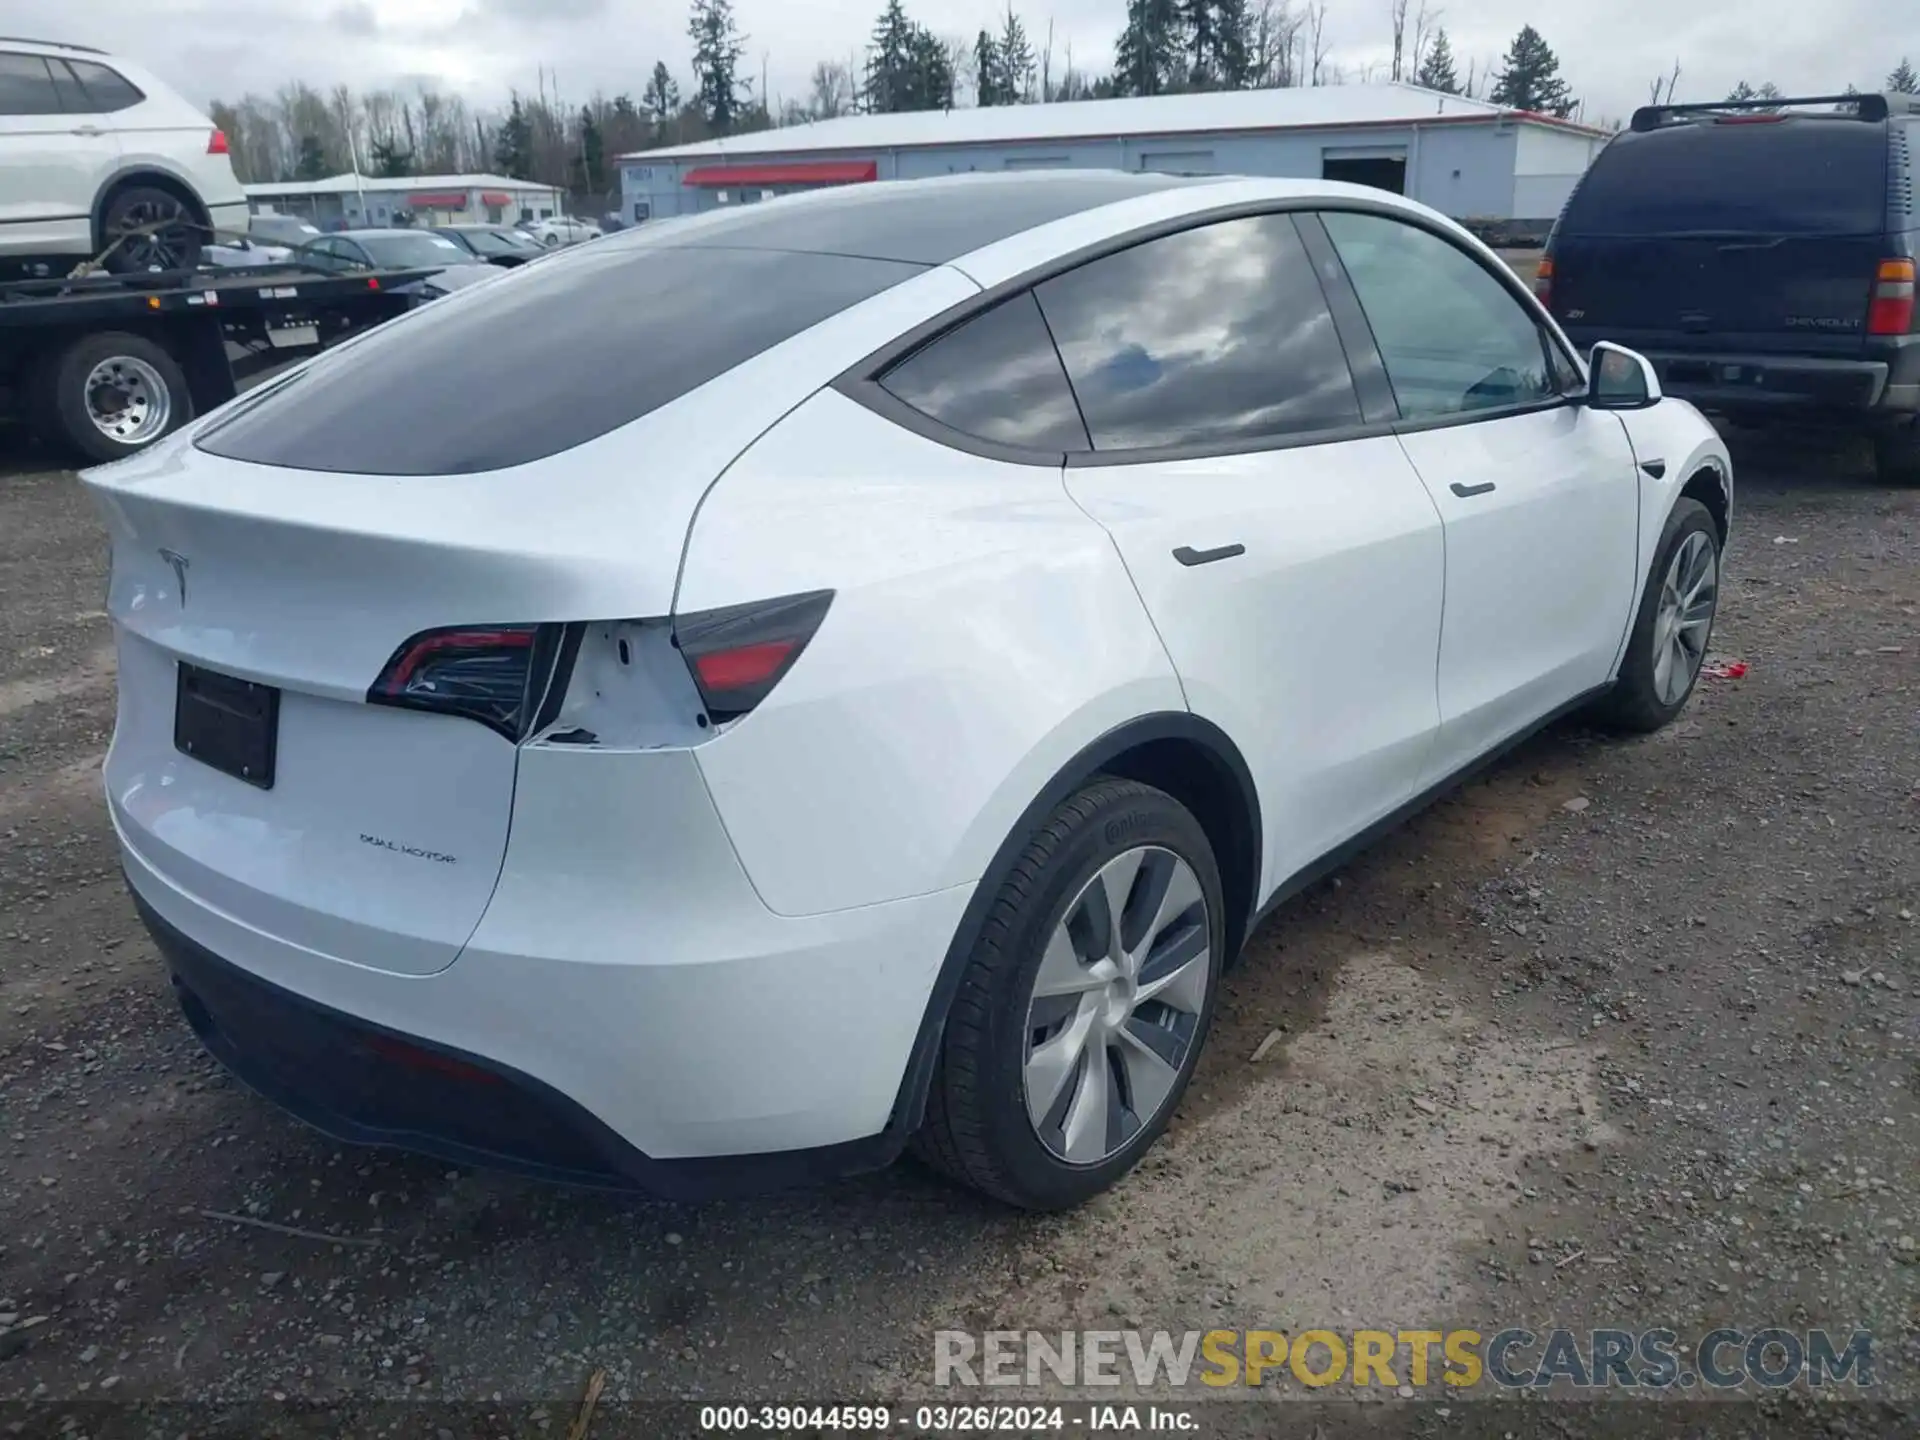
{"type": "Point", "coordinates": [923, 222]}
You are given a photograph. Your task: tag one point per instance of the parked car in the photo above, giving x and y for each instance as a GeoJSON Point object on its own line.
{"type": "Point", "coordinates": [242, 250]}
{"type": "Point", "coordinates": [564, 230]}
{"type": "Point", "coordinates": [288, 230]}
{"type": "Point", "coordinates": [398, 250]}
{"type": "Point", "coordinates": [500, 245]}
{"type": "Point", "coordinates": [881, 711]}
{"type": "Point", "coordinates": [97, 155]}
{"type": "Point", "coordinates": [1762, 254]}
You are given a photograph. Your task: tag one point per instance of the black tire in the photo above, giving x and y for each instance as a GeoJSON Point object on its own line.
{"type": "Point", "coordinates": [177, 247]}
{"type": "Point", "coordinates": [1634, 704]}
{"type": "Point", "coordinates": [1896, 454]}
{"type": "Point", "coordinates": [977, 1128]}
{"type": "Point", "coordinates": [64, 402]}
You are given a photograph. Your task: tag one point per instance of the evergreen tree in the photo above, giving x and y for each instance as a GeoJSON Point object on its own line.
{"type": "Point", "coordinates": [1436, 66]}
{"type": "Point", "coordinates": [930, 78]}
{"type": "Point", "coordinates": [890, 61]}
{"type": "Point", "coordinates": [988, 83]}
{"type": "Point", "coordinates": [1232, 25]}
{"type": "Point", "coordinates": [513, 147]}
{"type": "Point", "coordinates": [661, 98]}
{"type": "Point", "coordinates": [1147, 57]}
{"type": "Point", "coordinates": [312, 164]}
{"type": "Point", "coordinates": [717, 48]}
{"type": "Point", "coordinates": [1903, 81]}
{"type": "Point", "coordinates": [1529, 77]}
{"type": "Point", "coordinates": [1196, 19]}
{"type": "Point", "coordinates": [1016, 60]}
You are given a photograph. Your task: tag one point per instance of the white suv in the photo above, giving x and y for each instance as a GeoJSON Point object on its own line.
{"type": "Point", "coordinates": [98, 155]}
{"type": "Point", "coordinates": [882, 707]}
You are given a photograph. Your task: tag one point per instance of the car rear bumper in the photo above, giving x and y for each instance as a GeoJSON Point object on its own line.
{"type": "Point", "coordinates": [1789, 387]}
{"type": "Point", "coordinates": [686, 1075]}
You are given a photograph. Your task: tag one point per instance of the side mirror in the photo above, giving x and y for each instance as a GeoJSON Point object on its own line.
{"type": "Point", "coordinates": [1621, 379]}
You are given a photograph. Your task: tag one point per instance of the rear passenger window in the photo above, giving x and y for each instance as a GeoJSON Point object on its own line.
{"type": "Point", "coordinates": [997, 377]}
{"type": "Point", "coordinates": [1211, 336]}
{"type": "Point", "coordinates": [107, 90]}
{"type": "Point", "coordinates": [1453, 338]}
{"type": "Point", "coordinates": [26, 86]}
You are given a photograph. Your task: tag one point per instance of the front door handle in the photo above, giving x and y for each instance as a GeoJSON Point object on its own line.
{"type": "Point", "coordinates": [1187, 555]}
{"type": "Point", "coordinates": [88, 130]}
{"type": "Point", "coordinates": [1468, 491]}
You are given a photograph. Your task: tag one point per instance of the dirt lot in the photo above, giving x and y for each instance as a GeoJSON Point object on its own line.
{"type": "Point", "coordinates": [1624, 1034]}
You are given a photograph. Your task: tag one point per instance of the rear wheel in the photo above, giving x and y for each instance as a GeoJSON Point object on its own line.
{"type": "Point", "coordinates": [147, 228]}
{"type": "Point", "coordinates": [1084, 1005]}
{"type": "Point", "coordinates": [1896, 454]}
{"type": "Point", "coordinates": [113, 394]}
{"type": "Point", "coordinates": [1673, 626]}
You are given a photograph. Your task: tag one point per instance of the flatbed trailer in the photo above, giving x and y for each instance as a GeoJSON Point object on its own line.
{"type": "Point", "coordinates": [107, 364]}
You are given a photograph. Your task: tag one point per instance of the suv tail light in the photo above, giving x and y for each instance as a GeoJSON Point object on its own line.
{"type": "Point", "coordinates": [1891, 312]}
{"type": "Point", "coordinates": [501, 675]}
{"type": "Point", "coordinates": [738, 654]}
{"type": "Point", "coordinates": [217, 143]}
{"type": "Point", "coordinates": [1543, 281]}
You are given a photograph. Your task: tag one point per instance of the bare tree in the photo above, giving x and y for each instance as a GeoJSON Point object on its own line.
{"type": "Point", "coordinates": [831, 91]}
{"type": "Point", "coordinates": [1425, 22]}
{"type": "Point", "coordinates": [1274, 32]}
{"type": "Point", "coordinates": [1397, 14]}
{"type": "Point", "coordinates": [1666, 84]}
{"type": "Point", "coordinates": [1316, 22]}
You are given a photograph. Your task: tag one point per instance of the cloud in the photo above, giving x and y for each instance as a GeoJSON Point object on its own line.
{"type": "Point", "coordinates": [355, 17]}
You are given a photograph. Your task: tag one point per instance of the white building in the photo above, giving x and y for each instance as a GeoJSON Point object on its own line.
{"type": "Point", "coordinates": [429, 199]}
{"type": "Point", "coordinates": [1468, 158]}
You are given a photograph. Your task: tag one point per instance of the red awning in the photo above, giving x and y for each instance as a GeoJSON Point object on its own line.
{"type": "Point", "coordinates": [495, 197]}
{"type": "Point", "coordinates": [811, 172]}
{"type": "Point", "coordinates": [440, 200]}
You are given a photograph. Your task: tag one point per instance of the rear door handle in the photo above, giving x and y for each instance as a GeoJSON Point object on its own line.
{"type": "Point", "coordinates": [1467, 491]}
{"type": "Point", "coordinates": [1187, 555]}
{"type": "Point", "coordinates": [88, 130]}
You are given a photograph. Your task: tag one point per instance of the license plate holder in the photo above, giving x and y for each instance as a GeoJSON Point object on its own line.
{"type": "Point", "coordinates": [231, 725]}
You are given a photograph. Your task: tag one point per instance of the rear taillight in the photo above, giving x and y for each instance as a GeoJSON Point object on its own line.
{"type": "Point", "coordinates": [1891, 312]}
{"type": "Point", "coordinates": [737, 655]}
{"type": "Point", "coordinates": [217, 143]}
{"type": "Point", "coordinates": [1543, 281]}
{"type": "Point", "coordinates": [500, 675]}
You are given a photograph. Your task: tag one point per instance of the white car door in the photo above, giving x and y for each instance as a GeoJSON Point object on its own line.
{"type": "Point", "coordinates": [1539, 494]}
{"type": "Point", "coordinates": [1295, 577]}
{"type": "Point", "coordinates": [54, 157]}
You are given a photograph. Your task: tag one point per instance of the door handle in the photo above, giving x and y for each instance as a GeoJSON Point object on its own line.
{"type": "Point", "coordinates": [88, 130]}
{"type": "Point", "coordinates": [1467, 491]}
{"type": "Point", "coordinates": [1655, 468]}
{"type": "Point", "coordinates": [1187, 555]}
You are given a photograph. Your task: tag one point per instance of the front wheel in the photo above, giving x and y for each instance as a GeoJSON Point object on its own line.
{"type": "Point", "coordinates": [1085, 1003]}
{"type": "Point", "coordinates": [1673, 625]}
{"type": "Point", "coordinates": [111, 395]}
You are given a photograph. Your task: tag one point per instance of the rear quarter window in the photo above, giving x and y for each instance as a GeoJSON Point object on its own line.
{"type": "Point", "coordinates": [552, 356]}
{"type": "Point", "coordinates": [107, 90]}
{"type": "Point", "coordinates": [1795, 176]}
{"type": "Point", "coordinates": [997, 377]}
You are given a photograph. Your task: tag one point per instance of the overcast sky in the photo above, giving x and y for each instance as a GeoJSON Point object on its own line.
{"type": "Point", "coordinates": [483, 48]}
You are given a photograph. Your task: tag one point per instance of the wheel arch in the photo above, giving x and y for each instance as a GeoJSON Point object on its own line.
{"type": "Point", "coordinates": [1709, 485]}
{"type": "Point", "coordinates": [151, 175]}
{"type": "Point", "coordinates": [1191, 759]}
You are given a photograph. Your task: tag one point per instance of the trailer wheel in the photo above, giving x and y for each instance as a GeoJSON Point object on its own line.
{"type": "Point", "coordinates": [114, 394]}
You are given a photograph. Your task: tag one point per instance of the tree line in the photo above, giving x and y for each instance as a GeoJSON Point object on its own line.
{"type": "Point", "coordinates": [1164, 47]}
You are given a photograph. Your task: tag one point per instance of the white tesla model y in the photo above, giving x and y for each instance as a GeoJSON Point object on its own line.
{"type": "Point", "coordinates": [727, 701]}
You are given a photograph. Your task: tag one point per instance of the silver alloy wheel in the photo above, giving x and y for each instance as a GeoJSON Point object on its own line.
{"type": "Point", "coordinates": [1685, 617]}
{"type": "Point", "coordinates": [1116, 1004]}
{"type": "Point", "coordinates": [128, 401]}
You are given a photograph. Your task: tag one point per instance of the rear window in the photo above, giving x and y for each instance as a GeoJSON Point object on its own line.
{"type": "Point", "coordinates": [1786, 177]}
{"type": "Point", "coordinates": [107, 90]}
{"type": "Point", "coordinates": [545, 358]}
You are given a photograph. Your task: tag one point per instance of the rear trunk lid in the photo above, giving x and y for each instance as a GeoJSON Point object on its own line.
{"type": "Point", "coordinates": [1759, 234]}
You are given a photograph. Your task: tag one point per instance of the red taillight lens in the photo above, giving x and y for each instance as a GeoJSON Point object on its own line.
{"type": "Point", "coordinates": [499, 675]}
{"type": "Point", "coordinates": [1543, 280]}
{"type": "Point", "coordinates": [737, 655]}
{"type": "Point", "coordinates": [217, 143]}
{"type": "Point", "coordinates": [1891, 311]}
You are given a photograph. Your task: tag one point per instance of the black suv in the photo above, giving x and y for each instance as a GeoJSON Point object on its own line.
{"type": "Point", "coordinates": [1761, 254]}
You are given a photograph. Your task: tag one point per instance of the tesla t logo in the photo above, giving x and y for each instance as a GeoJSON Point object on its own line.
{"type": "Point", "coordinates": [179, 563]}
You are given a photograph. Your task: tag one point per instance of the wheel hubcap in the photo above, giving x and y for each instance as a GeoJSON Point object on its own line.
{"type": "Point", "coordinates": [1116, 1004]}
{"type": "Point", "coordinates": [127, 400]}
{"type": "Point", "coordinates": [1685, 618]}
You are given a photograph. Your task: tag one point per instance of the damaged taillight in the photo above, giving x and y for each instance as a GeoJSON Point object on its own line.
{"type": "Point", "coordinates": [501, 675]}
{"type": "Point", "coordinates": [738, 654]}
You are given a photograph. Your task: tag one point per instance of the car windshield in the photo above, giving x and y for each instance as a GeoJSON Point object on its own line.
{"type": "Point", "coordinates": [490, 242]}
{"type": "Point", "coordinates": [413, 249]}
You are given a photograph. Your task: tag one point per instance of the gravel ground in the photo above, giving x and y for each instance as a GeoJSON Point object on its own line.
{"type": "Point", "coordinates": [1624, 1034]}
